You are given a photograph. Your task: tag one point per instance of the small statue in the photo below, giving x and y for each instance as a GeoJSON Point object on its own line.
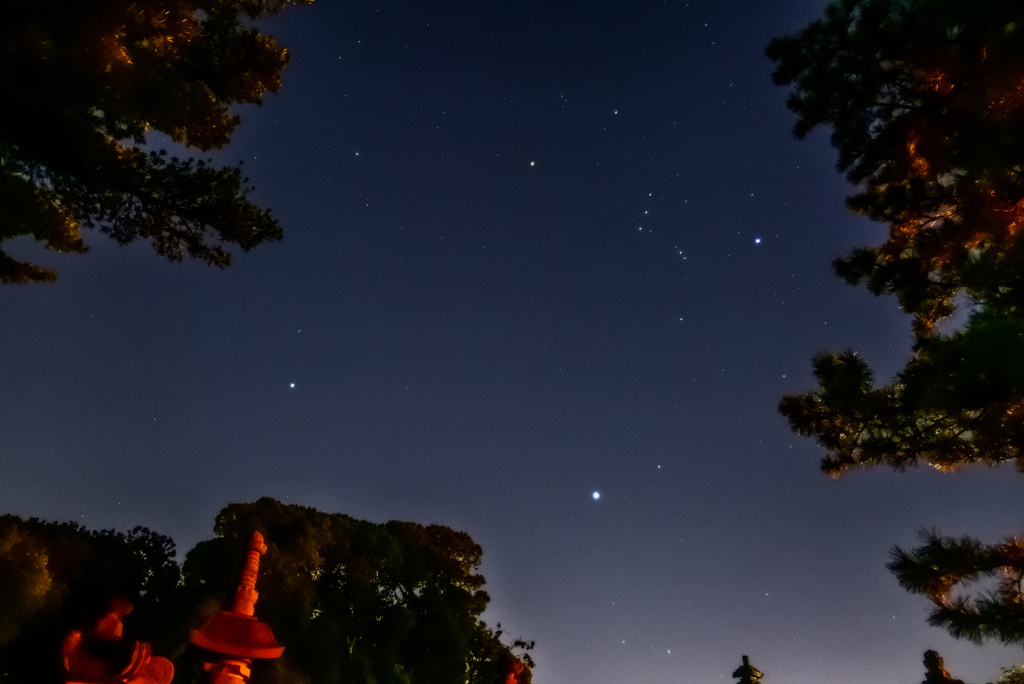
{"type": "Point", "coordinates": [747, 673]}
{"type": "Point", "coordinates": [102, 656]}
{"type": "Point", "coordinates": [934, 672]}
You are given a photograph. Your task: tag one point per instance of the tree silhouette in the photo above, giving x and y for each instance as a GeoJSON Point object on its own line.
{"type": "Point", "coordinates": [352, 601]}
{"type": "Point", "coordinates": [356, 601]}
{"type": "Point", "coordinates": [926, 107]}
{"type": "Point", "coordinates": [941, 564]}
{"type": "Point", "coordinates": [85, 81]}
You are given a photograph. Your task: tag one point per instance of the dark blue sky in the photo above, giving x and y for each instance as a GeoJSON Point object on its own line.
{"type": "Point", "coordinates": [533, 251]}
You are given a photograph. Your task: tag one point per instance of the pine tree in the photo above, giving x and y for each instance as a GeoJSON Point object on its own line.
{"type": "Point", "coordinates": [942, 564]}
{"type": "Point", "coordinates": [925, 99]}
{"type": "Point", "coordinates": [83, 83]}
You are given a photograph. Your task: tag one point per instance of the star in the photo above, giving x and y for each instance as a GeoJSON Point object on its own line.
{"type": "Point", "coordinates": [596, 495]}
{"type": "Point", "coordinates": [291, 385]}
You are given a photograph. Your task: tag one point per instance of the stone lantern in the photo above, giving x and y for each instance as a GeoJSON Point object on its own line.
{"type": "Point", "coordinates": [235, 635]}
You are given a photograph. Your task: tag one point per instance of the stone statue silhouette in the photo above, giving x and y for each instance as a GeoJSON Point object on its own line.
{"type": "Point", "coordinates": [934, 672]}
{"type": "Point", "coordinates": [748, 674]}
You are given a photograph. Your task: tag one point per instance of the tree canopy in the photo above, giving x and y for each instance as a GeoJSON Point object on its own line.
{"type": "Point", "coordinates": [85, 82]}
{"type": "Point", "coordinates": [927, 111]}
{"type": "Point", "coordinates": [925, 99]}
{"type": "Point", "coordinates": [352, 601]}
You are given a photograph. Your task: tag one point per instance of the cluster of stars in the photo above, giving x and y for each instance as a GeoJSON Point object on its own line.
{"type": "Point", "coordinates": [646, 211]}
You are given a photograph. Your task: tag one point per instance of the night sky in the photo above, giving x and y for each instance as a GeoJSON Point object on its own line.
{"type": "Point", "coordinates": [548, 268]}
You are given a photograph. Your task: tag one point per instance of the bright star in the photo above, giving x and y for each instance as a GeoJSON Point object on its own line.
{"type": "Point", "coordinates": [757, 241]}
{"type": "Point", "coordinates": [596, 495]}
{"type": "Point", "coordinates": [291, 385]}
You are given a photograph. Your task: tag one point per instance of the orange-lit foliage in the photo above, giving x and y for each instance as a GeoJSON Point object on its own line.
{"type": "Point", "coordinates": [86, 81]}
{"type": "Point", "coordinates": [926, 104]}
{"type": "Point", "coordinates": [23, 576]}
{"type": "Point", "coordinates": [937, 81]}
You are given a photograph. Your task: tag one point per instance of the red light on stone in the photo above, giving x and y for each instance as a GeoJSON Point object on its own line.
{"type": "Point", "coordinates": [236, 635]}
{"type": "Point", "coordinates": [241, 636]}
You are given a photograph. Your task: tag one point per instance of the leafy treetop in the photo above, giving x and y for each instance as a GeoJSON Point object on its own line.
{"type": "Point", "coordinates": [926, 105]}
{"type": "Point", "coordinates": [361, 602]}
{"type": "Point", "coordinates": [85, 82]}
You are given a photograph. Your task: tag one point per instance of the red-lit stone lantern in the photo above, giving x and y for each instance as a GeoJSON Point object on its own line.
{"type": "Point", "coordinates": [236, 635]}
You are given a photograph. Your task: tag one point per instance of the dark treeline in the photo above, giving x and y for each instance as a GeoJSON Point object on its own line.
{"type": "Point", "coordinates": [351, 601]}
